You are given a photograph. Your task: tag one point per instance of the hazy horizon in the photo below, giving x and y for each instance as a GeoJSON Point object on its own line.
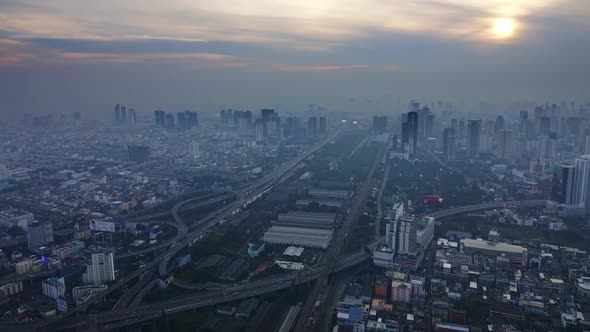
{"type": "Point", "coordinates": [64, 56]}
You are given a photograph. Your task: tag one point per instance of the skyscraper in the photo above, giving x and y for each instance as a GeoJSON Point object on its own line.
{"type": "Point", "coordinates": [391, 227]}
{"type": "Point", "coordinates": [160, 119]}
{"type": "Point", "coordinates": [544, 125]}
{"type": "Point", "coordinates": [117, 113]}
{"type": "Point", "coordinates": [499, 125]}
{"type": "Point", "coordinates": [473, 138]}
{"type": "Point", "coordinates": [260, 131]}
{"type": "Point", "coordinates": [505, 146]}
{"type": "Point", "coordinates": [412, 128]}
{"type": "Point", "coordinates": [449, 143]}
{"type": "Point", "coordinates": [582, 181]}
{"type": "Point", "coordinates": [169, 121]}
{"type": "Point", "coordinates": [312, 126]}
{"type": "Point", "coordinates": [524, 117]}
{"type": "Point", "coordinates": [407, 235]}
{"type": "Point", "coordinates": [323, 129]}
{"type": "Point", "coordinates": [181, 121]}
{"type": "Point", "coordinates": [547, 147]}
{"type": "Point", "coordinates": [101, 268]}
{"type": "Point", "coordinates": [123, 114]}
{"type": "Point", "coordinates": [192, 119]}
{"type": "Point", "coordinates": [562, 186]}
{"type": "Point", "coordinates": [194, 150]}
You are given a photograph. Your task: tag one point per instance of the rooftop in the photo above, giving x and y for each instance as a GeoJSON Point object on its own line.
{"type": "Point", "coordinates": [494, 246]}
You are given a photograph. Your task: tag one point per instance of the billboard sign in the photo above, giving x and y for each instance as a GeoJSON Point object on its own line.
{"type": "Point", "coordinates": [102, 226]}
{"type": "Point", "coordinates": [431, 199]}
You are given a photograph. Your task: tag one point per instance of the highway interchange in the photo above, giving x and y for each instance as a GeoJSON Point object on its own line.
{"type": "Point", "coordinates": [186, 236]}
{"type": "Point", "coordinates": [246, 195]}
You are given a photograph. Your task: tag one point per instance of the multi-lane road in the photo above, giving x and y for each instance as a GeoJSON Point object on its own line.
{"type": "Point", "coordinates": [242, 290]}
{"type": "Point", "coordinates": [246, 194]}
{"type": "Point", "coordinates": [304, 321]}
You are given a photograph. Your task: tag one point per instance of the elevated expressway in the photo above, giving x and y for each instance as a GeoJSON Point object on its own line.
{"type": "Point", "coordinates": [246, 195]}
{"type": "Point", "coordinates": [242, 290]}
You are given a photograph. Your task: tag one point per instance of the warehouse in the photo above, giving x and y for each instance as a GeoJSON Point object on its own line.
{"type": "Point", "coordinates": [305, 237]}
{"type": "Point", "coordinates": [317, 220]}
{"type": "Point", "coordinates": [330, 194]}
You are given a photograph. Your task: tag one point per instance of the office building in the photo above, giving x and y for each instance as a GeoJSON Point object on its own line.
{"type": "Point", "coordinates": [499, 125]}
{"type": "Point", "coordinates": [192, 119]}
{"type": "Point", "coordinates": [194, 150]}
{"type": "Point", "coordinates": [523, 119]}
{"type": "Point", "coordinates": [547, 147]}
{"type": "Point", "coordinates": [169, 121]}
{"type": "Point", "coordinates": [181, 121]}
{"type": "Point", "coordinates": [582, 181]}
{"type": "Point", "coordinates": [160, 119]}
{"type": "Point", "coordinates": [101, 268]}
{"type": "Point", "coordinates": [449, 143]}
{"type": "Point", "coordinates": [54, 288]}
{"type": "Point", "coordinates": [76, 116]}
{"type": "Point", "coordinates": [505, 146]}
{"type": "Point", "coordinates": [473, 138]}
{"type": "Point", "coordinates": [407, 230]}
{"type": "Point", "coordinates": [544, 125]}
{"type": "Point", "coordinates": [312, 126]}
{"type": "Point", "coordinates": [424, 231]}
{"type": "Point", "coordinates": [123, 114]}
{"type": "Point", "coordinates": [260, 132]}
{"type": "Point", "coordinates": [587, 145]}
{"type": "Point", "coordinates": [39, 234]}
{"type": "Point", "coordinates": [410, 133]}
{"type": "Point", "coordinates": [323, 128]}
{"type": "Point", "coordinates": [562, 185]}
{"type": "Point", "coordinates": [267, 114]}
{"type": "Point", "coordinates": [392, 219]}
{"type": "Point", "coordinates": [117, 113]}
{"type": "Point", "coordinates": [132, 116]}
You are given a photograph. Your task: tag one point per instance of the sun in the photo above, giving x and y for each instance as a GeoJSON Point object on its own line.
{"type": "Point", "coordinates": [503, 27]}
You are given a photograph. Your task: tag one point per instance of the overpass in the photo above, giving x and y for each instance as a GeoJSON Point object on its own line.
{"type": "Point", "coordinates": [242, 290]}
{"type": "Point", "coordinates": [247, 193]}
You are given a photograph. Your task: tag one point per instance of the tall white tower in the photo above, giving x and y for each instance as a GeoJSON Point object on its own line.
{"type": "Point", "coordinates": [582, 181]}
{"type": "Point", "coordinates": [194, 150]}
{"type": "Point", "coordinates": [101, 268]}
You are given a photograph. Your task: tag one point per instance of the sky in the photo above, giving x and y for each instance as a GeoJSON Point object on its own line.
{"type": "Point", "coordinates": [72, 55]}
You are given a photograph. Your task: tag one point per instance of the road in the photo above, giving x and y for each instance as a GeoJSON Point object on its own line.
{"type": "Point", "coordinates": [244, 290]}
{"type": "Point", "coordinates": [380, 203]}
{"type": "Point", "coordinates": [247, 194]}
{"type": "Point", "coordinates": [305, 318]}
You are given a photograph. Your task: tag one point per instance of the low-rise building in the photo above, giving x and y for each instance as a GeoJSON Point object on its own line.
{"type": "Point", "coordinates": [299, 236]}
{"type": "Point", "coordinates": [11, 288]}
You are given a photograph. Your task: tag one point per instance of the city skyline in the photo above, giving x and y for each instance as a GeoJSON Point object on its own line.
{"type": "Point", "coordinates": [65, 56]}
